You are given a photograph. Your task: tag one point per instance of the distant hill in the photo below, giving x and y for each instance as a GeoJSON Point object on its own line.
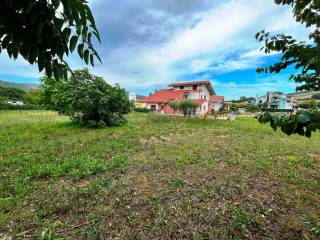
{"type": "Point", "coordinates": [22, 86]}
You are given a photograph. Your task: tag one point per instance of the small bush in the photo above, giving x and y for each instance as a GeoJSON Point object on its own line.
{"type": "Point", "coordinates": [144, 110]}
{"type": "Point", "coordinates": [253, 108]}
{"type": "Point", "coordinates": [87, 99]}
{"type": "Point", "coordinates": [316, 96]}
{"type": "Point", "coordinates": [224, 112]}
{"type": "Point", "coordinates": [309, 104]}
{"type": "Point", "coordinates": [188, 107]}
{"type": "Point", "coordinates": [7, 106]}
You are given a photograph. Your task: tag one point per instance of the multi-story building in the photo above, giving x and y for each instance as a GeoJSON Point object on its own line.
{"type": "Point", "coordinates": [276, 100]}
{"type": "Point", "coordinates": [200, 92]}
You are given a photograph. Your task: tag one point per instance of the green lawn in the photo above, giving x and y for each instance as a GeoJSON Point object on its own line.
{"type": "Point", "coordinates": [157, 177]}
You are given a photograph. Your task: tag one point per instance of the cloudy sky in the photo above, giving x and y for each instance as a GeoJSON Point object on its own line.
{"type": "Point", "coordinates": [147, 44]}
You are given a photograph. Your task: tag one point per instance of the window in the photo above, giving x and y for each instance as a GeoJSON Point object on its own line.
{"type": "Point", "coordinates": [194, 87]}
{"type": "Point", "coordinates": [205, 96]}
{"type": "Point", "coordinates": [181, 87]}
{"type": "Point", "coordinates": [153, 106]}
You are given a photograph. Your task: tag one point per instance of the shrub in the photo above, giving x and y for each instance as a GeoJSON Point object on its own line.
{"type": "Point", "coordinates": [253, 108]}
{"type": "Point", "coordinates": [316, 96]}
{"type": "Point", "coordinates": [33, 97]}
{"type": "Point", "coordinates": [144, 110]}
{"type": "Point", "coordinates": [174, 105]}
{"type": "Point", "coordinates": [87, 99]}
{"type": "Point", "coordinates": [188, 107]}
{"type": "Point", "coordinates": [11, 93]}
{"type": "Point", "coordinates": [224, 112]}
{"type": "Point", "coordinates": [7, 106]}
{"type": "Point", "coordinates": [310, 104]}
{"type": "Point", "coordinates": [236, 106]}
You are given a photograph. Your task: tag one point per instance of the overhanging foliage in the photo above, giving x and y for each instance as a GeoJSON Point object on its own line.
{"type": "Point", "coordinates": [43, 32]}
{"type": "Point", "coordinates": [302, 123]}
{"type": "Point", "coordinates": [305, 57]}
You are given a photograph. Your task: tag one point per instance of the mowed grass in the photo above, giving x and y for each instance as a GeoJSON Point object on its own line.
{"type": "Point", "coordinates": [157, 177]}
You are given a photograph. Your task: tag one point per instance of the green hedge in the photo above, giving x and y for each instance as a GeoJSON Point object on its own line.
{"type": "Point", "coordinates": [6, 106]}
{"type": "Point", "coordinates": [144, 110]}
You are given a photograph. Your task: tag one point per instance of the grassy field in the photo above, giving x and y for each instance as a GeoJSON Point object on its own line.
{"type": "Point", "coordinates": [157, 177]}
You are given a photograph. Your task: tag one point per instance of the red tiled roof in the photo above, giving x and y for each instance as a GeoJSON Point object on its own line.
{"type": "Point", "coordinates": [199, 101]}
{"type": "Point", "coordinates": [189, 83]}
{"type": "Point", "coordinates": [165, 95]}
{"type": "Point", "coordinates": [216, 98]}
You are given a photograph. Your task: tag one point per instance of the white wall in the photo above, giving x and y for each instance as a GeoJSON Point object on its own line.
{"type": "Point", "coordinates": [205, 92]}
{"type": "Point", "coordinates": [194, 95]}
{"type": "Point", "coordinates": [148, 105]}
{"type": "Point", "coordinates": [216, 106]}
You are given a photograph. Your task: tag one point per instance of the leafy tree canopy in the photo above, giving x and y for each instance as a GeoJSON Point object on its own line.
{"type": "Point", "coordinates": [44, 32]}
{"type": "Point", "coordinates": [14, 94]}
{"type": "Point", "coordinates": [252, 108]}
{"type": "Point", "coordinates": [188, 107]}
{"type": "Point", "coordinates": [174, 105]}
{"type": "Point", "coordinates": [87, 99]}
{"type": "Point", "coordinates": [309, 104]}
{"type": "Point", "coordinates": [304, 56]}
{"type": "Point", "coordinates": [33, 97]}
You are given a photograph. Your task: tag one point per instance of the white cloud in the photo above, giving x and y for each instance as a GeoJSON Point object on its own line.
{"type": "Point", "coordinates": [202, 41]}
{"type": "Point", "coordinates": [233, 90]}
{"type": "Point", "coordinates": [226, 28]}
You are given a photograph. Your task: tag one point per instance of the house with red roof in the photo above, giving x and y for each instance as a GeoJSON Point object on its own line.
{"type": "Point", "coordinates": [216, 102]}
{"type": "Point", "coordinates": [201, 92]}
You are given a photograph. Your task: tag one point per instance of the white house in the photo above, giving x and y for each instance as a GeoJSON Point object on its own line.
{"type": "Point", "coordinates": [16, 103]}
{"type": "Point", "coordinates": [276, 100]}
{"type": "Point", "coordinates": [199, 91]}
{"type": "Point", "coordinates": [216, 102]}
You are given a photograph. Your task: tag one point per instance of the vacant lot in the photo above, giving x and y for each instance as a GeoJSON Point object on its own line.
{"type": "Point", "coordinates": [157, 177]}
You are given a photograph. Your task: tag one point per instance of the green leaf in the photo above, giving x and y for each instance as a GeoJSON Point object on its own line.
{"type": "Point", "coordinates": [97, 56]}
{"type": "Point", "coordinates": [86, 56]}
{"type": "Point", "coordinates": [97, 35]}
{"type": "Point", "coordinates": [89, 37]}
{"type": "Point", "coordinates": [41, 62]}
{"type": "Point", "coordinates": [91, 59]}
{"type": "Point", "coordinates": [73, 43]}
{"type": "Point", "coordinates": [48, 68]}
{"type": "Point", "coordinates": [80, 50]}
{"type": "Point", "coordinates": [15, 52]}
{"type": "Point", "coordinates": [66, 33]}
{"type": "Point", "coordinates": [56, 73]}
